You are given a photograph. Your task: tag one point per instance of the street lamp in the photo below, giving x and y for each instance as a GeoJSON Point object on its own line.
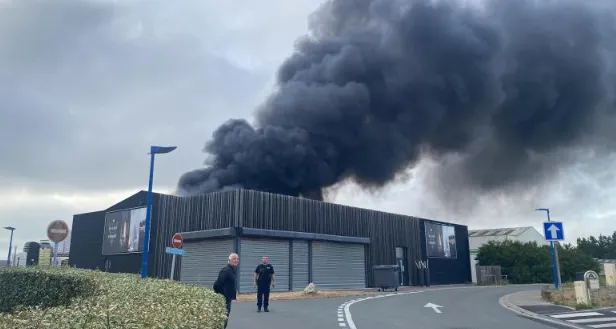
{"type": "Point", "coordinates": [146, 241]}
{"type": "Point", "coordinates": [554, 253]}
{"type": "Point", "coordinates": [10, 228]}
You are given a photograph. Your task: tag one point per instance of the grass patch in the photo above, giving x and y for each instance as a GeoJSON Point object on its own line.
{"type": "Point", "coordinates": [69, 298]}
{"type": "Point", "coordinates": [583, 306]}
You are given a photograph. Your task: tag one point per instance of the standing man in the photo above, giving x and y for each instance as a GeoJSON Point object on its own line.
{"type": "Point", "coordinates": [264, 279]}
{"type": "Point", "coordinates": [225, 284]}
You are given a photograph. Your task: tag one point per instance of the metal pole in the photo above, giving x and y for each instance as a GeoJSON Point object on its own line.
{"type": "Point", "coordinates": [172, 266]}
{"type": "Point", "coordinates": [55, 255]}
{"type": "Point", "coordinates": [146, 240]}
{"type": "Point", "coordinates": [555, 261]}
{"type": "Point", "coordinates": [14, 256]}
{"type": "Point", "coordinates": [8, 259]}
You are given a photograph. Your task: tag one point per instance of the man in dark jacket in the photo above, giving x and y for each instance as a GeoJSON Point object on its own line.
{"type": "Point", "coordinates": [264, 279]}
{"type": "Point", "coordinates": [225, 284]}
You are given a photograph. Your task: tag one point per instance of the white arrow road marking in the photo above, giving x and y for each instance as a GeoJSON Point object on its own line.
{"type": "Point", "coordinates": [553, 231]}
{"type": "Point", "coordinates": [434, 307]}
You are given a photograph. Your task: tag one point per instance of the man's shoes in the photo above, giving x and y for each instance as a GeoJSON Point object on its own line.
{"type": "Point", "coordinates": [259, 310]}
{"type": "Point", "coordinates": [265, 310]}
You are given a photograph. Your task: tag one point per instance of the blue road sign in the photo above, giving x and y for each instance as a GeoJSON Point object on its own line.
{"type": "Point", "coordinates": [175, 251]}
{"type": "Point", "coordinates": [553, 231]}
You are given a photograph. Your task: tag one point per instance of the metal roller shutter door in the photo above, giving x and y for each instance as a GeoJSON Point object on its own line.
{"type": "Point", "coordinates": [300, 264]}
{"type": "Point", "coordinates": [338, 265]}
{"type": "Point", "coordinates": [204, 259]}
{"type": "Point", "coordinates": [253, 250]}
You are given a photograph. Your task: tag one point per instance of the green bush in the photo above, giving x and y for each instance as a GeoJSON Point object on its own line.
{"type": "Point", "coordinates": [60, 288]}
{"type": "Point", "coordinates": [72, 298]}
{"type": "Point", "coordinates": [532, 263]}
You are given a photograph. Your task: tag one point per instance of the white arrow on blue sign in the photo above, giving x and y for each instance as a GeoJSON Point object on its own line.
{"type": "Point", "coordinates": [553, 231]}
{"type": "Point", "coordinates": [175, 251]}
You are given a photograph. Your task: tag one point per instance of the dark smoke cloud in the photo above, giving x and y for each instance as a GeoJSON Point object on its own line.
{"type": "Point", "coordinates": [494, 91]}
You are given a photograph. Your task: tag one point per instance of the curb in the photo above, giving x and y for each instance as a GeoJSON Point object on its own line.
{"type": "Point", "coordinates": [504, 302]}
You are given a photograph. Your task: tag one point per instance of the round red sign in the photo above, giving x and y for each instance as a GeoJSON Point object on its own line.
{"type": "Point", "coordinates": [177, 241]}
{"type": "Point", "coordinates": [57, 231]}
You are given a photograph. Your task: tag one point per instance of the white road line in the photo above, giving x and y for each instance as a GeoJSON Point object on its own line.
{"type": "Point", "coordinates": [347, 305]}
{"type": "Point", "coordinates": [604, 325]}
{"type": "Point", "coordinates": [575, 315]}
{"type": "Point", "coordinates": [593, 320]}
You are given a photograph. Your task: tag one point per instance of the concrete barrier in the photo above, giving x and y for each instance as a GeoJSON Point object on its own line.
{"type": "Point", "coordinates": [581, 292]}
{"type": "Point", "coordinates": [610, 274]}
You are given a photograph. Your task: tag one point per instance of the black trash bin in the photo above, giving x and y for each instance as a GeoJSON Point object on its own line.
{"type": "Point", "coordinates": [386, 277]}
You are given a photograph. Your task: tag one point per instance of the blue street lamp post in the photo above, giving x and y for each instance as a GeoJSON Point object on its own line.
{"type": "Point", "coordinates": [146, 241]}
{"type": "Point", "coordinates": [8, 260]}
{"type": "Point", "coordinates": [554, 254]}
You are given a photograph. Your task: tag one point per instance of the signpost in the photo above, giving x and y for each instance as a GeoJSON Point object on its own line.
{"type": "Point", "coordinates": [553, 231]}
{"type": "Point", "coordinates": [57, 231]}
{"type": "Point", "coordinates": [592, 279]}
{"type": "Point", "coordinates": [177, 241]}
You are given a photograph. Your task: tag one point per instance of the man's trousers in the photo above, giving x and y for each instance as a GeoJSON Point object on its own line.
{"type": "Point", "coordinates": [228, 305]}
{"type": "Point", "coordinates": [263, 292]}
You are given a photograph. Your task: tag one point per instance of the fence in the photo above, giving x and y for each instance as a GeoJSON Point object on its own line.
{"type": "Point", "coordinates": [490, 275]}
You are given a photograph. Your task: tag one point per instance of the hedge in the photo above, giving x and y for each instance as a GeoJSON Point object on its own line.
{"type": "Point", "coordinates": [66, 298]}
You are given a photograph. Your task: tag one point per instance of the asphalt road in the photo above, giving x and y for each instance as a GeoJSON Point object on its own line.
{"type": "Point", "coordinates": [462, 308]}
{"type": "Point", "coordinates": [287, 314]}
{"type": "Point", "coordinates": [475, 308]}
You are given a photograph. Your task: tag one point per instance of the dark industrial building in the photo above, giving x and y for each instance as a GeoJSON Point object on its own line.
{"type": "Point", "coordinates": [332, 245]}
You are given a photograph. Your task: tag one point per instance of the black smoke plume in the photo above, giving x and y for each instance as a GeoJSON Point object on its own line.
{"type": "Point", "coordinates": [500, 86]}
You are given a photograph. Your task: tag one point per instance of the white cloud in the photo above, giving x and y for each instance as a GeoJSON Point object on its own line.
{"type": "Point", "coordinates": [30, 212]}
{"type": "Point", "coordinates": [581, 197]}
{"type": "Point", "coordinates": [87, 86]}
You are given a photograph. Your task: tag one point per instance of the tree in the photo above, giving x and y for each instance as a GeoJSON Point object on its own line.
{"type": "Point", "coordinates": [574, 260]}
{"type": "Point", "coordinates": [603, 248]}
{"type": "Point", "coordinates": [531, 263]}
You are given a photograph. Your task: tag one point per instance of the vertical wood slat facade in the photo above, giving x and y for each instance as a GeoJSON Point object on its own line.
{"type": "Point", "coordinates": [386, 231]}
{"type": "Point", "coordinates": [253, 209]}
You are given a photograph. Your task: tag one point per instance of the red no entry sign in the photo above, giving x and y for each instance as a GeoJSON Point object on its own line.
{"type": "Point", "coordinates": [57, 231]}
{"type": "Point", "coordinates": [177, 241]}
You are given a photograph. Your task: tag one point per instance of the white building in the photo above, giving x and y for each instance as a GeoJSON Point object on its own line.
{"type": "Point", "coordinates": [19, 258]}
{"type": "Point", "coordinates": [477, 238]}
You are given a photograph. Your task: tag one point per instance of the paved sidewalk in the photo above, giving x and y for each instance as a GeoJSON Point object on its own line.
{"type": "Point", "coordinates": [528, 303]}
{"type": "Point", "coordinates": [530, 300]}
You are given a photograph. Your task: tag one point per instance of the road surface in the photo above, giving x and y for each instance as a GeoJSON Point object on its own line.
{"type": "Point", "coordinates": [462, 308]}
{"type": "Point", "coordinates": [459, 308]}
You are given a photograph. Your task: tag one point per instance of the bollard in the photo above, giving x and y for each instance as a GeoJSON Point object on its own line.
{"type": "Point", "coordinates": [581, 292]}
{"type": "Point", "coordinates": [610, 274]}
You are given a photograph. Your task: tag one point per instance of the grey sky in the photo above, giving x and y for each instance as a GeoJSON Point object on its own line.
{"type": "Point", "coordinates": [87, 86]}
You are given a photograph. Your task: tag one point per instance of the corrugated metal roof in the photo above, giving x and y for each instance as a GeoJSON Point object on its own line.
{"type": "Point", "coordinates": [510, 231]}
